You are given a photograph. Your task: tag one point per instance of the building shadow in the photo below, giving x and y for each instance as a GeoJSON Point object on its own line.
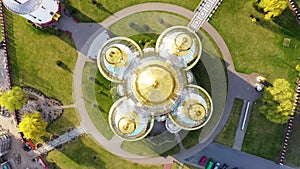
{"type": "Point", "coordinates": [12, 58]}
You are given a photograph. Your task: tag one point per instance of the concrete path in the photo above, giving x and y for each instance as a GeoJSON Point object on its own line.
{"type": "Point", "coordinates": [64, 106]}
{"type": "Point", "coordinates": [178, 139]}
{"type": "Point", "coordinates": [49, 146]}
{"type": "Point", "coordinates": [242, 126]}
{"type": "Point", "coordinates": [16, 149]}
{"type": "Point", "coordinates": [203, 12]}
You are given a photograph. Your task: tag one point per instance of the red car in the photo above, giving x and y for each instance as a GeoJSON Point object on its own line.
{"type": "Point", "coordinates": [202, 161]}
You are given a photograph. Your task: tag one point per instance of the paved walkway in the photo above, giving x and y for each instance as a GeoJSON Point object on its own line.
{"type": "Point", "coordinates": [4, 78]}
{"type": "Point", "coordinates": [64, 106]}
{"type": "Point", "coordinates": [239, 85]}
{"type": "Point", "coordinates": [49, 146]}
{"type": "Point", "coordinates": [16, 149]}
{"type": "Point", "coordinates": [203, 12]}
{"type": "Point", "coordinates": [242, 125]}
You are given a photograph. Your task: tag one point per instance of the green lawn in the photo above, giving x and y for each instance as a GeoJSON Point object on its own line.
{"type": "Point", "coordinates": [293, 148]}
{"type": "Point", "coordinates": [146, 148]}
{"type": "Point", "coordinates": [86, 154]}
{"type": "Point", "coordinates": [33, 56]}
{"type": "Point", "coordinates": [263, 138]}
{"type": "Point", "coordinates": [122, 28]}
{"type": "Point", "coordinates": [255, 46]}
{"type": "Point", "coordinates": [95, 89]}
{"type": "Point", "coordinates": [34, 64]}
{"type": "Point", "coordinates": [86, 11]}
{"type": "Point", "coordinates": [68, 119]}
{"type": "Point", "coordinates": [226, 137]}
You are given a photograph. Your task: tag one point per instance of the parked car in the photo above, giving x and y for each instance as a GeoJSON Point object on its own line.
{"type": "Point", "coordinates": [1, 44]}
{"type": "Point", "coordinates": [210, 164]}
{"type": "Point", "coordinates": [224, 166]}
{"type": "Point", "coordinates": [217, 165]}
{"type": "Point", "coordinates": [202, 161]}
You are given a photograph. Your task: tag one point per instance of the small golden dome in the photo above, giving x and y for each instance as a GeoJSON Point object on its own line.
{"type": "Point", "coordinates": [115, 56]}
{"type": "Point", "coordinates": [126, 125]}
{"type": "Point", "coordinates": [182, 44]}
{"type": "Point", "coordinates": [194, 110]}
{"type": "Point", "coordinates": [155, 84]}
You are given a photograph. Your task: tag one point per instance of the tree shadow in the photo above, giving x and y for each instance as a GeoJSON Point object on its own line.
{"type": "Point", "coordinates": [283, 24]}
{"type": "Point", "coordinates": [288, 23]}
{"type": "Point", "coordinates": [70, 11]}
{"type": "Point", "coordinates": [145, 28]}
{"type": "Point", "coordinates": [164, 23]}
{"type": "Point", "coordinates": [101, 7]}
{"type": "Point", "coordinates": [63, 66]}
{"type": "Point", "coordinates": [267, 84]}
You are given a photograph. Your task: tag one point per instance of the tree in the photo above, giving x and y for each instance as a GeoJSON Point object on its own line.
{"type": "Point", "coordinates": [272, 8]}
{"type": "Point", "coordinates": [33, 125]}
{"type": "Point", "coordinates": [298, 68]}
{"type": "Point", "coordinates": [277, 102]}
{"type": "Point", "coordinates": [13, 99]}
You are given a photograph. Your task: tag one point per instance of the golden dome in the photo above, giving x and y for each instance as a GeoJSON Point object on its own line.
{"type": "Point", "coordinates": [182, 44]}
{"type": "Point", "coordinates": [155, 84]}
{"type": "Point", "coordinates": [126, 125]}
{"type": "Point", "coordinates": [115, 56]}
{"type": "Point", "coordinates": [194, 110]}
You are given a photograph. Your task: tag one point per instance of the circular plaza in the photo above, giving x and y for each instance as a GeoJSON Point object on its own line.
{"type": "Point", "coordinates": [114, 98]}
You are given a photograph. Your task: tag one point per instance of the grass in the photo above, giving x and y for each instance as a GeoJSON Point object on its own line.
{"type": "Point", "coordinates": [191, 139]}
{"type": "Point", "coordinates": [263, 138]}
{"type": "Point", "coordinates": [86, 154]}
{"type": "Point", "coordinates": [33, 61]}
{"type": "Point", "coordinates": [226, 137]}
{"type": "Point", "coordinates": [293, 148]}
{"type": "Point", "coordinates": [68, 119]}
{"type": "Point", "coordinates": [146, 148]}
{"type": "Point", "coordinates": [86, 11]}
{"type": "Point", "coordinates": [255, 46]}
{"type": "Point", "coordinates": [99, 114]}
{"type": "Point", "coordinates": [34, 64]}
{"type": "Point", "coordinates": [122, 28]}
{"type": "Point", "coordinates": [103, 95]}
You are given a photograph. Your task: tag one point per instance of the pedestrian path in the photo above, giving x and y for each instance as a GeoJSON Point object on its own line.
{"type": "Point", "coordinates": [178, 139]}
{"type": "Point", "coordinates": [49, 146]}
{"type": "Point", "coordinates": [203, 12]}
{"type": "Point", "coordinates": [64, 106]}
{"type": "Point", "coordinates": [242, 126]}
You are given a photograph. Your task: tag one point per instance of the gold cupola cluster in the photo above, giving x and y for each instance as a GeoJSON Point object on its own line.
{"type": "Point", "coordinates": [153, 84]}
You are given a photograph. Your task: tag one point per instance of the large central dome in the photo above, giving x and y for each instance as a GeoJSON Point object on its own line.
{"type": "Point", "coordinates": [156, 84]}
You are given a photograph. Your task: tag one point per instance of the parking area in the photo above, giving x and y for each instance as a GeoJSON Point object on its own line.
{"type": "Point", "coordinates": [233, 158]}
